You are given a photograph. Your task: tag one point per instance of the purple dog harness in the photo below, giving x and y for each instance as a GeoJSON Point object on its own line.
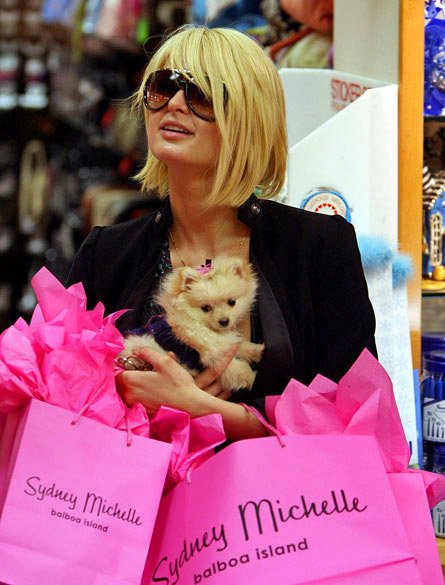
{"type": "Point", "coordinates": [164, 336]}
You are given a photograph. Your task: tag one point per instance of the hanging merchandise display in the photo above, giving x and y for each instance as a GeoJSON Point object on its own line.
{"type": "Point", "coordinates": [58, 11]}
{"type": "Point", "coordinates": [35, 94]}
{"type": "Point", "coordinates": [33, 211]}
{"type": "Point", "coordinates": [23, 70]}
{"type": "Point", "coordinates": [433, 261]}
{"type": "Point", "coordinates": [434, 98]}
{"type": "Point", "coordinates": [76, 112]}
{"type": "Point", "coordinates": [9, 79]}
{"type": "Point", "coordinates": [91, 16]}
{"type": "Point", "coordinates": [33, 192]}
{"type": "Point", "coordinates": [118, 19]}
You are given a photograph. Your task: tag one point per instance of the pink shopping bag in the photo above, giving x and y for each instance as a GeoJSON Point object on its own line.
{"type": "Point", "coordinates": [78, 504]}
{"type": "Point", "coordinates": [363, 403]}
{"type": "Point", "coordinates": [316, 510]}
{"type": "Point", "coordinates": [409, 491]}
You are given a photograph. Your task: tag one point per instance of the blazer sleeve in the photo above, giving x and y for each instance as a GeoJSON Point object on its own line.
{"type": "Point", "coordinates": [344, 317]}
{"type": "Point", "coordinates": [83, 266]}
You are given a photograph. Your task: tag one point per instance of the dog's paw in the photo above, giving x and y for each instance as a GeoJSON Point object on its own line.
{"type": "Point", "coordinates": [250, 352]}
{"type": "Point", "coordinates": [238, 376]}
{"type": "Point", "coordinates": [213, 352]}
{"type": "Point", "coordinates": [134, 342]}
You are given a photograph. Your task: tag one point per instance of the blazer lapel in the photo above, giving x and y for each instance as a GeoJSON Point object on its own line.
{"type": "Point", "coordinates": [136, 296]}
{"type": "Point", "coordinates": [277, 366]}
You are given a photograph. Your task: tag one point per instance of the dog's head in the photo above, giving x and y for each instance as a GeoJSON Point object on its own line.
{"type": "Point", "coordinates": [219, 298]}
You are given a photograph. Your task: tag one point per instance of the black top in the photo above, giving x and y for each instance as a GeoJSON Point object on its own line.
{"type": "Point", "coordinates": [313, 302]}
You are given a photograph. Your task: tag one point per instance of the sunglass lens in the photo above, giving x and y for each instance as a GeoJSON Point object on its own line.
{"type": "Point", "coordinates": [162, 85]}
{"type": "Point", "coordinates": [159, 89]}
{"type": "Point", "coordinates": [200, 104]}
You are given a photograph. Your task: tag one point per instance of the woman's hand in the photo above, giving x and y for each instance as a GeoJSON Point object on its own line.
{"type": "Point", "coordinates": [168, 384]}
{"type": "Point", "coordinates": [208, 379]}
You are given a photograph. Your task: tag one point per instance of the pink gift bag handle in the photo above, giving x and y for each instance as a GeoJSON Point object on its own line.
{"type": "Point", "coordinates": [272, 430]}
{"type": "Point", "coordinates": [257, 414]}
{"type": "Point", "coordinates": [88, 404]}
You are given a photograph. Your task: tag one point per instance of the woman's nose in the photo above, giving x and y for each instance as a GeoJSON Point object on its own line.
{"type": "Point", "coordinates": [178, 102]}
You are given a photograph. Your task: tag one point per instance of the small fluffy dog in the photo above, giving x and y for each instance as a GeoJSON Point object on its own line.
{"type": "Point", "coordinates": [202, 308]}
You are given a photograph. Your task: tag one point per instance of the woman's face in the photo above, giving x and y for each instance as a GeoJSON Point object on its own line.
{"type": "Point", "coordinates": [177, 136]}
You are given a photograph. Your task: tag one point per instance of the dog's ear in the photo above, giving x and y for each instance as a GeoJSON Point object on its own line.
{"type": "Point", "coordinates": [239, 267]}
{"type": "Point", "coordinates": [187, 277]}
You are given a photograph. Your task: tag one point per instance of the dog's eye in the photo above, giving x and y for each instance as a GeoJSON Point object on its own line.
{"type": "Point", "coordinates": [206, 308]}
{"type": "Point", "coordinates": [231, 302]}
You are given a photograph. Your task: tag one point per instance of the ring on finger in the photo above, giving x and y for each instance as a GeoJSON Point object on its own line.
{"type": "Point", "coordinates": [132, 362]}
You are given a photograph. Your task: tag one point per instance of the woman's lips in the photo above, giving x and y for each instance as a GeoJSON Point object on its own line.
{"type": "Point", "coordinates": [175, 129]}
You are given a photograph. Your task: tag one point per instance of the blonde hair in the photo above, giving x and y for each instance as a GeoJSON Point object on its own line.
{"type": "Point", "coordinates": [249, 110]}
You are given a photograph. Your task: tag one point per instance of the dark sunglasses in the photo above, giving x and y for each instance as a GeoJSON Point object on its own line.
{"type": "Point", "coordinates": [163, 84]}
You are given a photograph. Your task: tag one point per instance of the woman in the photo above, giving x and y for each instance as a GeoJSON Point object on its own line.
{"type": "Point", "coordinates": [215, 121]}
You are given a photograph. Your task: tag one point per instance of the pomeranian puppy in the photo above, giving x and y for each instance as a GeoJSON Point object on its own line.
{"type": "Point", "coordinates": [202, 309]}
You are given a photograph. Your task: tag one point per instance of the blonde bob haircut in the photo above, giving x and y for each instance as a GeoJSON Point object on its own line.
{"type": "Point", "coordinates": [248, 102]}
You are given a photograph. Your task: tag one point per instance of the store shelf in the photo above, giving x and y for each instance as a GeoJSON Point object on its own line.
{"type": "Point", "coordinates": [433, 288]}
{"type": "Point", "coordinates": [95, 46]}
{"type": "Point", "coordinates": [434, 119]}
{"type": "Point", "coordinates": [433, 293]}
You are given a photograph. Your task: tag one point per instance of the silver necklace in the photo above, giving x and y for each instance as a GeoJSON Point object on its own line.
{"type": "Point", "coordinates": [178, 253]}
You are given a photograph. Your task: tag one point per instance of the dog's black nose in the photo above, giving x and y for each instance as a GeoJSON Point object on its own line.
{"type": "Point", "coordinates": [224, 322]}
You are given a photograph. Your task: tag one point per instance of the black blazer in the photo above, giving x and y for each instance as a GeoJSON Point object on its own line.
{"type": "Point", "coordinates": [313, 303]}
